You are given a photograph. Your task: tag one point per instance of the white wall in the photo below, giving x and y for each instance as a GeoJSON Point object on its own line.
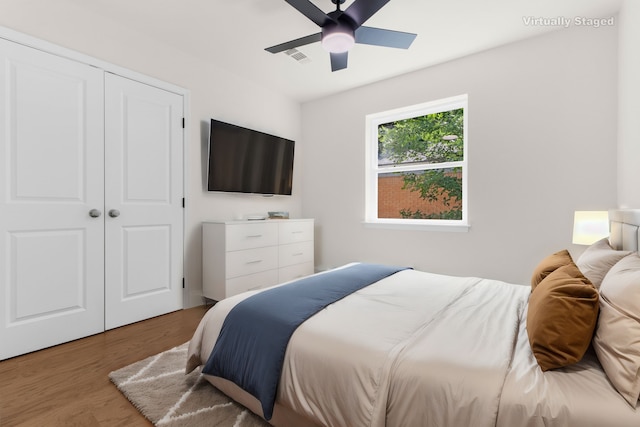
{"type": "Point", "coordinates": [542, 143]}
{"type": "Point", "coordinates": [629, 106]}
{"type": "Point", "coordinates": [214, 93]}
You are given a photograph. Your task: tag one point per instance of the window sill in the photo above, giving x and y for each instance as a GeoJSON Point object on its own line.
{"type": "Point", "coordinates": [393, 224]}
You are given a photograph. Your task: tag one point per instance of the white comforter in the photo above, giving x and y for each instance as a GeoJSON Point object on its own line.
{"type": "Point", "coordinates": [412, 349]}
{"type": "Point", "coordinates": [420, 349]}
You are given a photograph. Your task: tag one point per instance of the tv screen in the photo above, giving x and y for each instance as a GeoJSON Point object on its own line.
{"type": "Point", "coordinates": [242, 160]}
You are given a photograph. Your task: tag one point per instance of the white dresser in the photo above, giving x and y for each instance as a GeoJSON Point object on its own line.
{"type": "Point", "coordinates": [238, 256]}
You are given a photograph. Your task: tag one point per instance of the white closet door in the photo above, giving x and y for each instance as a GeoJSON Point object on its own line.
{"type": "Point", "coordinates": [143, 201]}
{"type": "Point", "coordinates": [51, 176]}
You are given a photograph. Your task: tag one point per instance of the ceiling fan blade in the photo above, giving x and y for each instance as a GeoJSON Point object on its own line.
{"type": "Point", "coordinates": [311, 11]}
{"type": "Point", "coordinates": [361, 10]}
{"type": "Point", "coordinates": [382, 37]}
{"type": "Point", "coordinates": [295, 43]}
{"type": "Point", "coordinates": [339, 61]}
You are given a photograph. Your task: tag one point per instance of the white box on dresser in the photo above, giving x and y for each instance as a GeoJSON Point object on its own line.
{"type": "Point", "coordinates": [238, 256]}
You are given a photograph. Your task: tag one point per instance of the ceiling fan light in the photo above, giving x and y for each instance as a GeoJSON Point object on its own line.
{"type": "Point", "coordinates": [338, 42]}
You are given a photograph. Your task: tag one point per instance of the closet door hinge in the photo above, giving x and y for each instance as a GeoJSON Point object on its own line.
{"type": "Point", "coordinates": [183, 202]}
{"type": "Point", "coordinates": [183, 123]}
{"type": "Point", "coordinates": [183, 283]}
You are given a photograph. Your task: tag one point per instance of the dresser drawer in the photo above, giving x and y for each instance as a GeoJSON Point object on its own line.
{"type": "Point", "coordinates": [295, 253]}
{"type": "Point", "coordinates": [239, 256]}
{"type": "Point", "coordinates": [294, 272]}
{"type": "Point", "coordinates": [248, 236]}
{"type": "Point", "coordinates": [295, 231]}
{"type": "Point", "coordinates": [251, 282]}
{"type": "Point", "coordinates": [242, 263]}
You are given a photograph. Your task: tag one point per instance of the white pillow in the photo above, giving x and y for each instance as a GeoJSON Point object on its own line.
{"type": "Point", "coordinates": [597, 259]}
{"type": "Point", "coordinates": [617, 337]}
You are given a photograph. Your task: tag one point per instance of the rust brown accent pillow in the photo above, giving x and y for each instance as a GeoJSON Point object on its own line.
{"type": "Point", "coordinates": [548, 265]}
{"type": "Point", "coordinates": [561, 317]}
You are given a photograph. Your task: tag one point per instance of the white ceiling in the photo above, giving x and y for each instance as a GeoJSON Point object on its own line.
{"type": "Point", "coordinates": [234, 33]}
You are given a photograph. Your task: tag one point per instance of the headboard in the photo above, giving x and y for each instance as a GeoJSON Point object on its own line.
{"type": "Point", "coordinates": [624, 229]}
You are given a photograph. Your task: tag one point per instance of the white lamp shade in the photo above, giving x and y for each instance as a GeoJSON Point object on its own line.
{"type": "Point", "coordinates": [338, 42]}
{"type": "Point", "coordinates": [590, 226]}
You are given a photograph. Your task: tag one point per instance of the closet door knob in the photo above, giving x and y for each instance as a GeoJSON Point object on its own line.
{"type": "Point", "coordinates": [94, 213]}
{"type": "Point", "coordinates": [114, 213]}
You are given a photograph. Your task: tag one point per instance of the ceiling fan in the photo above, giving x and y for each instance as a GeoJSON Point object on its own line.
{"type": "Point", "coordinates": [342, 29]}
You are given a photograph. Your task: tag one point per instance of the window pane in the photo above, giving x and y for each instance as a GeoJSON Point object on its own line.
{"type": "Point", "coordinates": [429, 194]}
{"type": "Point", "coordinates": [432, 138]}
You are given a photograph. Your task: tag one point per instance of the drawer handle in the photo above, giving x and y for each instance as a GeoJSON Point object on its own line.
{"type": "Point", "coordinates": [297, 232]}
{"type": "Point", "coordinates": [254, 235]}
{"type": "Point", "coordinates": [254, 262]}
{"type": "Point", "coordinates": [298, 254]}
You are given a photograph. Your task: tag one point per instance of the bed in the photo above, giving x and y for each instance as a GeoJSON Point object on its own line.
{"type": "Point", "coordinates": [415, 348]}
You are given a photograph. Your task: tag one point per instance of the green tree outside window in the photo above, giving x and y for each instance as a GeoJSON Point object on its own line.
{"type": "Point", "coordinates": [432, 140]}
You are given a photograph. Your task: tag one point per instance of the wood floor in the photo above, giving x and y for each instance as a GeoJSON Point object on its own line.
{"type": "Point", "coordinates": [68, 385]}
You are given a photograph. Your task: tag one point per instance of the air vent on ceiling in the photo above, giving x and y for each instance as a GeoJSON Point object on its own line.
{"type": "Point", "coordinates": [298, 56]}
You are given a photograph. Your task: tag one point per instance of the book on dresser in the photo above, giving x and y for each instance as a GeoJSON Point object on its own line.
{"type": "Point", "coordinates": [239, 256]}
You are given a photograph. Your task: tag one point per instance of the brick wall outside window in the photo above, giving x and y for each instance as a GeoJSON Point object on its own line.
{"type": "Point", "coordinates": [392, 198]}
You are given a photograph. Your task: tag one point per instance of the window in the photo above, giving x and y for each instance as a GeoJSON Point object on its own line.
{"type": "Point", "coordinates": [417, 166]}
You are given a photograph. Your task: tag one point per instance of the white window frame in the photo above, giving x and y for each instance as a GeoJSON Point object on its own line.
{"type": "Point", "coordinates": [373, 170]}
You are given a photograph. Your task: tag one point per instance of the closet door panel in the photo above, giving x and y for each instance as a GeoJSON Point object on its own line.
{"type": "Point", "coordinates": [143, 161]}
{"type": "Point", "coordinates": [51, 249]}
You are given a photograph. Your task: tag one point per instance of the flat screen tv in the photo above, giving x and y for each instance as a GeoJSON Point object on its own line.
{"type": "Point", "coordinates": [242, 160]}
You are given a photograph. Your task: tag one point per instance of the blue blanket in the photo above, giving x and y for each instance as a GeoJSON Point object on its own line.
{"type": "Point", "coordinates": [254, 336]}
